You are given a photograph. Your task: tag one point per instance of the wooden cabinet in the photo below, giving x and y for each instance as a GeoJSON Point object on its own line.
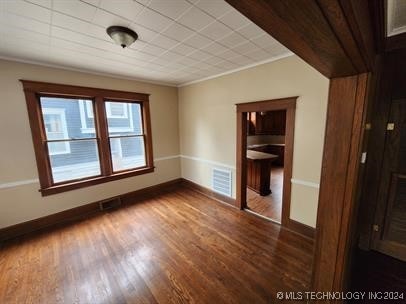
{"type": "Point", "coordinates": [259, 172]}
{"type": "Point", "coordinates": [277, 150]}
{"type": "Point", "coordinates": [267, 123]}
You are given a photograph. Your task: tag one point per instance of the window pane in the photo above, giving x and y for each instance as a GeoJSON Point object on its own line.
{"type": "Point", "coordinates": [82, 161]}
{"type": "Point", "coordinates": [124, 118]}
{"type": "Point", "coordinates": [65, 119]}
{"type": "Point", "coordinates": [127, 152]}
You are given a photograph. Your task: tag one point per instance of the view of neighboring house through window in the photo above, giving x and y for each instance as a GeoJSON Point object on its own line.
{"type": "Point", "coordinates": [125, 135]}
{"type": "Point", "coordinates": [86, 136]}
{"type": "Point", "coordinates": [72, 139]}
{"type": "Point", "coordinates": [55, 128]}
{"type": "Point", "coordinates": [73, 154]}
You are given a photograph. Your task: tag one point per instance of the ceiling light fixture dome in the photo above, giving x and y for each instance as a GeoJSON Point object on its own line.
{"type": "Point", "coordinates": [122, 35]}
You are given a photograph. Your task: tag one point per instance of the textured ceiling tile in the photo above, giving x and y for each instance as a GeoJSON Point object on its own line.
{"type": "Point", "coordinates": [105, 19]}
{"type": "Point", "coordinates": [216, 30]}
{"type": "Point", "coordinates": [234, 19]}
{"type": "Point", "coordinates": [128, 9]}
{"type": "Point", "coordinates": [197, 41]}
{"type": "Point", "coordinates": [214, 48]}
{"type": "Point", "coordinates": [215, 8]}
{"type": "Point", "coordinates": [143, 33]}
{"type": "Point", "coordinates": [195, 19]}
{"type": "Point", "coordinates": [172, 8]}
{"type": "Point", "coordinates": [75, 8]}
{"type": "Point", "coordinates": [178, 32]}
{"type": "Point", "coordinates": [251, 30]}
{"type": "Point", "coordinates": [245, 47]}
{"type": "Point", "coordinates": [29, 10]}
{"type": "Point", "coordinates": [232, 40]}
{"type": "Point", "coordinates": [15, 21]}
{"type": "Point", "coordinates": [183, 49]}
{"type": "Point", "coordinates": [164, 42]}
{"type": "Point", "coordinates": [166, 50]}
{"type": "Point", "coordinates": [43, 3]}
{"type": "Point", "coordinates": [152, 20]}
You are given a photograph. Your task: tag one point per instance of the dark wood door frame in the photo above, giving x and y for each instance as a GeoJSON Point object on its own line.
{"type": "Point", "coordinates": [288, 104]}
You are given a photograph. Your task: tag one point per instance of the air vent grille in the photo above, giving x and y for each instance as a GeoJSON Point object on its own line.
{"type": "Point", "coordinates": [110, 203]}
{"type": "Point", "coordinates": [221, 181]}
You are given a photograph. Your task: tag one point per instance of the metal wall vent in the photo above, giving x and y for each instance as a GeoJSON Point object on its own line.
{"type": "Point", "coordinates": [110, 203]}
{"type": "Point", "coordinates": [221, 181]}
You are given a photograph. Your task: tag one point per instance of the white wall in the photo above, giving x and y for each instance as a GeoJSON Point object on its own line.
{"type": "Point", "coordinates": [207, 124]}
{"type": "Point", "coordinates": [19, 203]}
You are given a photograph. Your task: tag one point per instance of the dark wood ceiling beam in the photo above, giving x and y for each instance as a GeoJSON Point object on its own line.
{"type": "Point", "coordinates": [357, 13]}
{"type": "Point", "coordinates": [316, 31]}
{"type": "Point", "coordinates": [332, 10]}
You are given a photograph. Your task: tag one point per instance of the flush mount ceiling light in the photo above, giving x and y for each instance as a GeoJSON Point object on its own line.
{"type": "Point", "coordinates": [122, 36]}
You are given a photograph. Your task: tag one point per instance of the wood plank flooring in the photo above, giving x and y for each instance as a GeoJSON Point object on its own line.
{"type": "Point", "coordinates": [175, 247]}
{"type": "Point", "coordinates": [269, 206]}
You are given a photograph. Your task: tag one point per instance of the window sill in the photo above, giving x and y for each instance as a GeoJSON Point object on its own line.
{"type": "Point", "coordinates": [93, 181]}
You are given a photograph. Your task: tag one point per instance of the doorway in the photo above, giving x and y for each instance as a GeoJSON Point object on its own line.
{"type": "Point", "coordinates": [265, 131]}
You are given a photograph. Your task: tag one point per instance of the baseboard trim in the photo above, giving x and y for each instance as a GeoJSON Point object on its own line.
{"type": "Point", "coordinates": [291, 224]}
{"type": "Point", "coordinates": [208, 192]}
{"type": "Point", "coordinates": [301, 228]}
{"type": "Point", "coordinates": [82, 211]}
{"type": "Point", "coordinates": [127, 199]}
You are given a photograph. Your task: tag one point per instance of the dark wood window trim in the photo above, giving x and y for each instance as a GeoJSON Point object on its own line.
{"type": "Point", "coordinates": [34, 90]}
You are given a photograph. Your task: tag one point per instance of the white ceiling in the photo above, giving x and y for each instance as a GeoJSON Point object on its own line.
{"type": "Point", "coordinates": [396, 17]}
{"type": "Point", "coordinates": [179, 40]}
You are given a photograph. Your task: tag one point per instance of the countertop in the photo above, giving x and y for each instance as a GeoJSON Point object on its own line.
{"type": "Point", "coordinates": [255, 155]}
{"type": "Point", "coordinates": [263, 145]}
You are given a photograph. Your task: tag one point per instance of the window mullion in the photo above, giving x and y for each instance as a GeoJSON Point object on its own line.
{"type": "Point", "coordinates": [102, 134]}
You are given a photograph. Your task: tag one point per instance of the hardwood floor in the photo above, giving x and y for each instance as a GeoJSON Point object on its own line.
{"type": "Point", "coordinates": [175, 247]}
{"type": "Point", "coordinates": [269, 206]}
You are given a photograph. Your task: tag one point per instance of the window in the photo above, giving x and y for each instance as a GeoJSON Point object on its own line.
{"type": "Point", "coordinates": [85, 136]}
{"type": "Point", "coordinates": [86, 111]}
{"type": "Point", "coordinates": [55, 128]}
{"type": "Point", "coordinates": [117, 110]}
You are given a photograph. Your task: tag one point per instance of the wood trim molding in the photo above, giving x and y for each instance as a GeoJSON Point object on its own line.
{"type": "Point", "coordinates": [35, 90]}
{"type": "Point", "coordinates": [94, 181]}
{"type": "Point", "coordinates": [85, 92]}
{"type": "Point", "coordinates": [288, 104]}
{"type": "Point", "coordinates": [265, 105]}
{"type": "Point", "coordinates": [342, 149]}
{"type": "Point", "coordinates": [207, 192]}
{"type": "Point", "coordinates": [241, 169]}
{"type": "Point", "coordinates": [301, 228]}
{"type": "Point", "coordinates": [291, 224]}
{"type": "Point", "coordinates": [129, 198]}
{"type": "Point", "coordinates": [336, 38]}
{"type": "Point", "coordinates": [82, 211]}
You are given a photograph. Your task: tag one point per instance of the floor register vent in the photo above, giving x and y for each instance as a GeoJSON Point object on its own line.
{"type": "Point", "coordinates": [110, 203]}
{"type": "Point", "coordinates": [221, 181]}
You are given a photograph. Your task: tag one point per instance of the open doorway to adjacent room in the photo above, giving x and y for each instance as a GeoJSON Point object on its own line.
{"type": "Point", "coordinates": [264, 155]}
{"type": "Point", "coordinates": [265, 162]}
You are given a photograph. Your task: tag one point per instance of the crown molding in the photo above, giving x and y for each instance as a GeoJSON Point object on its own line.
{"type": "Point", "coordinates": [238, 69]}
{"type": "Point", "coordinates": [86, 71]}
